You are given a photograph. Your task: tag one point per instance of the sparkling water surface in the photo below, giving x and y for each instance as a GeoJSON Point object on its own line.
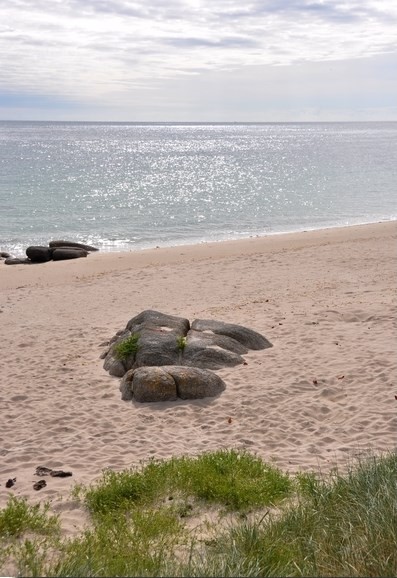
{"type": "Point", "coordinates": [131, 186]}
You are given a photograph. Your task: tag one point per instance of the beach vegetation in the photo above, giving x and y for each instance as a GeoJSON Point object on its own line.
{"type": "Point", "coordinates": [236, 480]}
{"type": "Point", "coordinates": [26, 532]}
{"type": "Point", "coordinates": [19, 517]}
{"type": "Point", "coordinates": [181, 342]}
{"type": "Point", "coordinates": [128, 346]}
{"type": "Point", "coordinates": [227, 513]}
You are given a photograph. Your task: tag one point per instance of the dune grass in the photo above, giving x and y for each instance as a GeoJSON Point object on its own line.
{"type": "Point", "coordinates": [149, 522]}
{"type": "Point", "coordinates": [235, 480]}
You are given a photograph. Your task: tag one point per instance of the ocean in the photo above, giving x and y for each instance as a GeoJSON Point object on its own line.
{"type": "Point", "coordinates": [129, 186]}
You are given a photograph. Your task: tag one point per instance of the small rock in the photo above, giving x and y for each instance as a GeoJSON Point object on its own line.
{"type": "Point", "coordinates": [17, 261]}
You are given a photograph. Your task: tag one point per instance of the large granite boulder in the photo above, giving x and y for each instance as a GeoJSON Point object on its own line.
{"type": "Point", "coordinates": [157, 340]}
{"type": "Point", "coordinates": [167, 383]}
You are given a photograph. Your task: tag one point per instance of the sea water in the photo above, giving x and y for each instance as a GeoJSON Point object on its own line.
{"type": "Point", "coordinates": [128, 186]}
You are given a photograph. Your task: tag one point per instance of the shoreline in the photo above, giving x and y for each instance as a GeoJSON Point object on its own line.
{"type": "Point", "coordinates": [189, 243]}
{"type": "Point", "coordinates": [324, 392]}
{"type": "Point", "coordinates": [106, 262]}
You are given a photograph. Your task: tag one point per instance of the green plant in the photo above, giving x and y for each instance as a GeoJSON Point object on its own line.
{"type": "Point", "coordinates": [235, 479]}
{"type": "Point", "coordinates": [129, 346]}
{"type": "Point", "coordinates": [181, 342]}
{"type": "Point", "coordinates": [19, 517]}
{"type": "Point", "coordinates": [140, 544]}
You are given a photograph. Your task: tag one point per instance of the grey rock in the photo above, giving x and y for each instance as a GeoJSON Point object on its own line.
{"type": "Point", "coordinates": [4, 255]}
{"type": "Point", "coordinates": [126, 386]}
{"type": "Point", "coordinates": [243, 335]}
{"type": "Point", "coordinates": [150, 319]}
{"type": "Point", "coordinates": [157, 347]}
{"type": "Point", "coordinates": [153, 384]}
{"type": "Point", "coordinates": [114, 365]}
{"type": "Point", "coordinates": [72, 244]}
{"type": "Point", "coordinates": [201, 339]}
{"type": "Point", "coordinates": [195, 383]}
{"type": "Point", "coordinates": [63, 253]}
{"type": "Point", "coordinates": [210, 358]}
{"type": "Point", "coordinates": [104, 353]}
{"type": "Point", "coordinates": [17, 261]}
{"type": "Point", "coordinates": [39, 254]}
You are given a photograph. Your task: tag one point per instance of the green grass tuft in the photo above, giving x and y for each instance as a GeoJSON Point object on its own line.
{"type": "Point", "coordinates": [127, 347]}
{"type": "Point", "coordinates": [19, 517]}
{"type": "Point", "coordinates": [236, 480]}
{"type": "Point", "coordinates": [181, 343]}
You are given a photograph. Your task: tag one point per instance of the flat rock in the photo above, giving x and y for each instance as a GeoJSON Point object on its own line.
{"type": "Point", "coordinates": [203, 340]}
{"type": "Point", "coordinates": [63, 253]}
{"type": "Point", "coordinates": [150, 319]}
{"type": "Point", "coordinates": [72, 244]}
{"type": "Point", "coordinates": [17, 261]}
{"type": "Point", "coordinates": [210, 358]}
{"type": "Point", "coordinates": [247, 337]}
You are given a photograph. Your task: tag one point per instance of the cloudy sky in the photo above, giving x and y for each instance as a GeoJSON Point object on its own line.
{"type": "Point", "coordinates": [198, 60]}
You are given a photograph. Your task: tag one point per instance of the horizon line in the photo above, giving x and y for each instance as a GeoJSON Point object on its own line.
{"type": "Point", "coordinates": [197, 122]}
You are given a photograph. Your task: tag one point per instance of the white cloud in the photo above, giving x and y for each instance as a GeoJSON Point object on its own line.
{"type": "Point", "coordinates": [103, 51]}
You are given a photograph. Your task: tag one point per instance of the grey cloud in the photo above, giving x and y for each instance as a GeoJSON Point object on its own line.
{"type": "Point", "coordinates": [110, 7]}
{"type": "Point", "coordinates": [27, 40]}
{"type": "Point", "coordinates": [330, 10]}
{"type": "Point", "coordinates": [226, 42]}
{"type": "Point", "coordinates": [156, 9]}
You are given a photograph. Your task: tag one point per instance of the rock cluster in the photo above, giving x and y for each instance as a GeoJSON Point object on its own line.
{"type": "Point", "coordinates": [169, 352]}
{"type": "Point", "coordinates": [56, 251]}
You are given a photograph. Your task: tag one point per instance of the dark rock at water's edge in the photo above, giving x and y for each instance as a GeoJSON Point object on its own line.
{"type": "Point", "coordinates": [61, 253]}
{"type": "Point", "coordinates": [18, 261]}
{"type": "Point", "coordinates": [159, 340]}
{"type": "Point", "coordinates": [56, 251]}
{"type": "Point", "coordinates": [39, 254]}
{"type": "Point", "coordinates": [72, 244]}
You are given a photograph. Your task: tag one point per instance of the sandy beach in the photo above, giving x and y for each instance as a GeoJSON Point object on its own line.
{"type": "Point", "coordinates": [324, 391]}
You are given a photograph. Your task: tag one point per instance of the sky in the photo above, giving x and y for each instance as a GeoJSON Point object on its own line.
{"type": "Point", "coordinates": [198, 60]}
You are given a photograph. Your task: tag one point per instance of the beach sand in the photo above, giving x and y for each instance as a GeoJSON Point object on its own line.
{"type": "Point", "coordinates": [324, 392]}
